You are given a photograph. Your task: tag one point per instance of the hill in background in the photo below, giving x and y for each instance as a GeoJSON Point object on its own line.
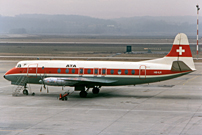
{"type": "Point", "coordinates": [83, 25]}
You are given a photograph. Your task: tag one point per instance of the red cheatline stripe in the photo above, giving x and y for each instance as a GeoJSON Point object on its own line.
{"type": "Point", "coordinates": [130, 72]}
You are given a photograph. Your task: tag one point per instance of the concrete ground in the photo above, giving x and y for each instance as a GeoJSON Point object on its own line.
{"type": "Point", "coordinates": [172, 107]}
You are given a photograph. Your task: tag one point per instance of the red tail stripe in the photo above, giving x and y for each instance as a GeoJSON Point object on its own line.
{"type": "Point", "coordinates": [180, 51]}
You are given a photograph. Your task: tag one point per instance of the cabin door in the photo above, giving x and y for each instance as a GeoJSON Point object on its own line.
{"type": "Point", "coordinates": [32, 70]}
{"type": "Point", "coordinates": [142, 72]}
{"type": "Point", "coordinates": [81, 71]}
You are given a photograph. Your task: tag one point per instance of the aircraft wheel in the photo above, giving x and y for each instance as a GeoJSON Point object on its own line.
{"type": "Point", "coordinates": [96, 90]}
{"type": "Point", "coordinates": [25, 92]}
{"type": "Point", "coordinates": [83, 94]}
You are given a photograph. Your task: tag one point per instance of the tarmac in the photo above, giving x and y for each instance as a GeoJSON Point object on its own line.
{"type": "Point", "coordinates": [172, 107]}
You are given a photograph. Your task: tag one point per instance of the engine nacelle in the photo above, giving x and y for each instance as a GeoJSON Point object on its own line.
{"type": "Point", "coordinates": [54, 81]}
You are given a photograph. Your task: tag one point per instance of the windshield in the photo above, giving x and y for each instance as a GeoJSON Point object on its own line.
{"type": "Point", "coordinates": [19, 65]}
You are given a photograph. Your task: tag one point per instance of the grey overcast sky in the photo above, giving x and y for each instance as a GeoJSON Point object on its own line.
{"type": "Point", "coordinates": [101, 8]}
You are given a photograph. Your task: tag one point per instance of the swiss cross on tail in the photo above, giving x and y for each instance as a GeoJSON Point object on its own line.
{"type": "Point", "coordinates": [180, 47]}
{"type": "Point", "coordinates": [180, 50]}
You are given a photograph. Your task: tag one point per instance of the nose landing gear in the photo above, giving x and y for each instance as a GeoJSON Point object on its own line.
{"type": "Point", "coordinates": [25, 92]}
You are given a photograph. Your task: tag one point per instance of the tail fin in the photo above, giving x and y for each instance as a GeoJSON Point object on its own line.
{"type": "Point", "coordinates": [180, 57]}
{"type": "Point", "coordinates": [181, 51]}
{"type": "Point", "coordinates": [180, 47]}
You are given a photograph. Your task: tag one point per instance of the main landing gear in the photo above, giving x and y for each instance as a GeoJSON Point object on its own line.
{"type": "Point", "coordinates": [95, 90]}
{"type": "Point", "coordinates": [84, 93]}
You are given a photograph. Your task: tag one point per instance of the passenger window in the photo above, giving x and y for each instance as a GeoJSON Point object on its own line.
{"type": "Point", "coordinates": [89, 71]}
{"type": "Point", "coordinates": [126, 72]}
{"type": "Point", "coordinates": [133, 72]}
{"type": "Point", "coordinates": [73, 71]}
{"type": "Point", "coordinates": [59, 70]}
{"type": "Point", "coordinates": [112, 71]}
{"type": "Point", "coordinates": [67, 70]}
{"type": "Point", "coordinates": [119, 71]}
{"type": "Point", "coordinates": [96, 71]}
{"type": "Point", "coordinates": [103, 71]}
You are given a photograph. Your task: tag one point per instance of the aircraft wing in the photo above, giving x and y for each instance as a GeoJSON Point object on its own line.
{"type": "Point", "coordinates": [83, 79]}
{"type": "Point", "coordinates": [70, 81]}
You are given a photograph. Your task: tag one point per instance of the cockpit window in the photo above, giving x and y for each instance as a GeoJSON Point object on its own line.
{"type": "Point", "coordinates": [19, 65]}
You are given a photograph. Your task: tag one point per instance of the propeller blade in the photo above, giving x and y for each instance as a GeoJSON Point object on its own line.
{"type": "Point", "coordinates": [42, 81]}
{"type": "Point", "coordinates": [41, 89]}
{"type": "Point", "coordinates": [44, 86]}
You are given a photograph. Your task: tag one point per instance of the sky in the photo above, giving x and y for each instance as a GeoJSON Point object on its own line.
{"type": "Point", "coordinates": [105, 9]}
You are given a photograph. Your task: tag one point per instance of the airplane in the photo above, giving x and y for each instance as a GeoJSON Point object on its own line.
{"type": "Point", "coordinates": [83, 75]}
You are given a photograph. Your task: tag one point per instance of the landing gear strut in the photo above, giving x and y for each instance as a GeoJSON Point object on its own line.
{"type": "Point", "coordinates": [25, 91]}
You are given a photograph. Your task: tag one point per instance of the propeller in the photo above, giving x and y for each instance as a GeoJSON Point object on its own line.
{"type": "Point", "coordinates": [47, 90]}
{"type": "Point", "coordinates": [42, 82]}
{"type": "Point", "coordinates": [41, 89]}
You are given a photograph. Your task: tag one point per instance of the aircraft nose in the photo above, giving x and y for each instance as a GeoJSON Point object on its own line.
{"type": "Point", "coordinates": [5, 77]}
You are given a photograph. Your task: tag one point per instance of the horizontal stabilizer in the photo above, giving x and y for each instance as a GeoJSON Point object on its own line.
{"type": "Point", "coordinates": [179, 66]}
